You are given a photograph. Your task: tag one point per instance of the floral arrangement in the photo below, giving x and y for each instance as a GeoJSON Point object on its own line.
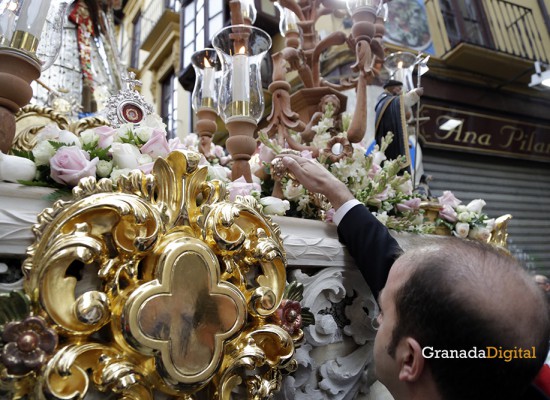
{"type": "Point", "coordinates": [376, 182]}
{"type": "Point", "coordinates": [63, 158]}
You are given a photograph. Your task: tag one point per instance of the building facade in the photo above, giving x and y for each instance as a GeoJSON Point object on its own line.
{"type": "Point", "coordinates": [484, 56]}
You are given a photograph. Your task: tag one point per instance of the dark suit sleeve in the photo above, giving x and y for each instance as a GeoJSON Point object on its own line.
{"type": "Point", "coordinates": [370, 244]}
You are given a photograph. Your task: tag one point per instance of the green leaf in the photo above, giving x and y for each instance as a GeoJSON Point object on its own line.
{"type": "Point", "coordinates": [14, 306]}
{"type": "Point", "coordinates": [24, 154]}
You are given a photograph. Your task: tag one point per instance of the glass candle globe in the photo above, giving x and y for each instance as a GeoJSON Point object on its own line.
{"type": "Point", "coordinates": [34, 27]}
{"type": "Point", "coordinates": [288, 21]}
{"type": "Point", "coordinates": [248, 10]}
{"type": "Point", "coordinates": [241, 49]}
{"type": "Point", "coordinates": [353, 5]}
{"type": "Point", "coordinates": [207, 66]}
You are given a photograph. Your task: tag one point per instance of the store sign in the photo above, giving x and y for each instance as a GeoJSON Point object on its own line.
{"type": "Point", "coordinates": [454, 129]}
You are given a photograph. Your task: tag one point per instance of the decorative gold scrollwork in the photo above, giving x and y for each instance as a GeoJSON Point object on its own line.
{"type": "Point", "coordinates": [158, 283]}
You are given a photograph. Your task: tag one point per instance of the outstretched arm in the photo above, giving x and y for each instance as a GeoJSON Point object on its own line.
{"type": "Point", "coordinates": [367, 240]}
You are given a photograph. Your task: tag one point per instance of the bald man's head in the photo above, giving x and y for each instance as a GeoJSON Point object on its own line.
{"type": "Point", "coordinates": [463, 295]}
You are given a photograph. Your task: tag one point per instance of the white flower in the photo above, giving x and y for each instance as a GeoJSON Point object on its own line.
{"type": "Point", "coordinates": [464, 216]}
{"type": "Point", "coordinates": [42, 153]}
{"type": "Point", "coordinates": [104, 168]}
{"type": "Point", "coordinates": [153, 121]}
{"type": "Point", "coordinates": [274, 206]}
{"type": "Point", "coordinates": [14, 168]}
{"type": "Point", "coordinates": [125, 155]}
{"type": "Point", "coordinates": [124, 131]}
{"type": "Point", "coordinates": [119, 172]}
{"type": "Point", "coordinates": [144, 159]}
{"type": "Point", "coordinates": [476, 205]}
{"type": "Point", "coordinates": [292, 191]}
{"type": "Point", "coordinates": [89, 137]}
{"type": "Point", "coordinates": [378, 157]}
{"type": "Point", "coordinates": [480, 233]}
{"type": "Point", "coordinates": [219, 172]}
{"type": "Point", "coordinates": [461, 208]}
{"type": "Point", "coordinates": [382, 217]}
{"type": "Point", "coordinates": [69, 138]}
{"type": "Point", "coordinates": [462, 229]}
{"type": "Point", "coordinates": [143, 133]}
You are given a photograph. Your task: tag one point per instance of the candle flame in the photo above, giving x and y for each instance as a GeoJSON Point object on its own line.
{"type": "Point", "coordinates": [400, 64]}
{"type": "Point", "coordinates": [242, 50]}
{"type": "Point", "coordinates": [206, 63]}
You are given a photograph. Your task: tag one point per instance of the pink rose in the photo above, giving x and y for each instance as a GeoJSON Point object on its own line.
{"type": "Point", "coordinates": [329, 216]}
{"type": "Point", "coordinates": [157, 146]}
{"type": "Point", "coordinates": [70, 164]}
{"type": "Point", "coordinates": [241, 187]}
{"type": "Point", "coordinates": [106, 136]}
{"type": "Point", "coordinates": [409, 205]}
{"type": "Point", "coordinates": [175, 144]}
{"type": "Point", "coordinates": [448, 213]}
{"type": "Point", "coordinates": [265, 154]}
{"type": "Point", "coordinates": [449, 198]}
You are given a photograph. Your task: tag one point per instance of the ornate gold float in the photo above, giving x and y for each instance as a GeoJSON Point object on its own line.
{"type": "Point", "coordinates": [153, 284]}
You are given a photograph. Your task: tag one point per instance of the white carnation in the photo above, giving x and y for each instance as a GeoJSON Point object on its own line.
{"type": "Point", "coordinates": [104, 168]}
{"type": "Point", "coordinates": [42, 153]}
{"type": "Point", "coordinates": [89, 137]}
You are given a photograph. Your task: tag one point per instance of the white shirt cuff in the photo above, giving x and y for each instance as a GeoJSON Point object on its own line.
{"type": "Point", "coordinates": [343, 210]}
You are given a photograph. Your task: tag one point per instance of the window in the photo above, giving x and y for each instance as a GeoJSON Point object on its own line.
{"type": "Point", "coordinates": [197, 28]}
{"type": "Point", "coordinates": [136, 42]}
{"type": "Point", "coordinates": [169, 104]}
{"type": "Point", "coordinates": [173, 5]}
{"type": "Point", "coordinates": [464, 22]}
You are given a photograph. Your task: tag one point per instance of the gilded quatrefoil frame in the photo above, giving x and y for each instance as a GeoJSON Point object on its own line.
{"type": "Point", "coordinates": [159, 284]}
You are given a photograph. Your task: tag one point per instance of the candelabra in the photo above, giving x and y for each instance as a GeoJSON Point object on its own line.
{"type": "Point", "coordinates": [240, 49]}
{"type": "Point", "coordinates": [30, 38]}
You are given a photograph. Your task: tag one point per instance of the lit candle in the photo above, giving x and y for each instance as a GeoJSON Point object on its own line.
{"type": "Point", "coordinates": [7, 23]}
{"type": "Point", "coordinates": [240, 84]}
{"type": "Point", "coordinates": [208, 80]}
{"type": "Point", "coordinates": [291, 22]}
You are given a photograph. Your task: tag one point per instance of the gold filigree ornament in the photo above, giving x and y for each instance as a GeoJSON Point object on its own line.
{"type": "Point", "coordinates": [157, 285]}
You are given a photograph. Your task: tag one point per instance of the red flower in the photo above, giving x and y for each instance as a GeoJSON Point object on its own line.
{"type": "Point", "coordinates": [289, 315]}
{"type": "Point", "coordinates": [27, 345]}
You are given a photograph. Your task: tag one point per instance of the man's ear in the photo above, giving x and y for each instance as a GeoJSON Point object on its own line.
{"type": "Point", "coordinates": [411, 359]}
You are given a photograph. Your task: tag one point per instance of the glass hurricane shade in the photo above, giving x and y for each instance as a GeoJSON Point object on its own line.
{"type": "Point", "coordinates": [207, 66]}
{"type": "Point", "coordinates": [353, 5]}
{"type": "Point", "coordinates": [400, 64]}
{"type": "Point", "coordinates": [33, 26]}
{"type": "Point", "coordinates": [241, 49]}
{"type": "Point", "coordinates": [248, 10]}
{"type": "Point", "coordinates": [288, 21]}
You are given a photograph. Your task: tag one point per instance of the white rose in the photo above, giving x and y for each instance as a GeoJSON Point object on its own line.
{"type": "Point", "coordinates": [480, 233]}
{"type": "Point", "coordinates": [153, 121]}
{"type": "Point", "coordinates": [69, 138]}
{"type": "Point", "coordinates": [274, 206]}
{"type": "Point", "coordinates": [89, 137]}
{"type": "Point", "coordinates": [292, 191]}
{"type": "Point", "coordinates": [143, 133]}
{"type": "Point", "coordinates": [42, 153]}
{"type": "Point", "coordinates": [104, 168]}
{"type": "Point", "coordinates": [124, 131]}
{"type": "Point", "coordinates": [125, 155]}
{"type": "Point", "coordinates": [476, 205]}
{"type": "Point", "coordinates": [464, 216]}
{"type": "Point", "coordinates": [219, 172]}
{"type": "Point", "coordinates": [462, 229]}
{"type": "Point", "coordinates": [14, 168]}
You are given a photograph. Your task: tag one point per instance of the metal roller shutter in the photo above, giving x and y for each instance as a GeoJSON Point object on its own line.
{"type": "Point", "coordinates": [520, 188]}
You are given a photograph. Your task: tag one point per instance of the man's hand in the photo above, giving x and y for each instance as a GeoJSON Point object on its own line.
{"type": "Point", "coordinates": [316, 178]}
